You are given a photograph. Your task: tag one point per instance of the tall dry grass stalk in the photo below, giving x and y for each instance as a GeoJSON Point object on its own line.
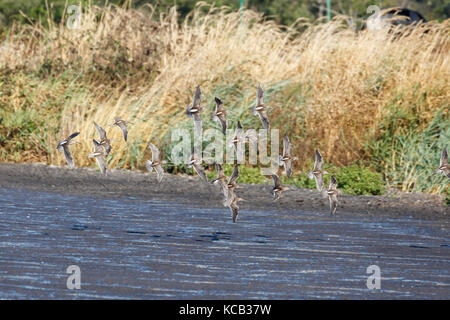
{"type": "Point", "coordinates": [330, 86]}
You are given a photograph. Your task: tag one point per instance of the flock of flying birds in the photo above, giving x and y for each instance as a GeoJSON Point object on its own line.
{"type": "Point", "coordinates": [102, 148]}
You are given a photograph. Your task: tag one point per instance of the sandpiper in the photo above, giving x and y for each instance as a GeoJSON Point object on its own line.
{"type": "Point", "coordinates": [122, 124]}
{"type": "Point", "coordinates": [260, 108]}
{"type": "Point", "coordinates": [232, 203]}
{"type": "Point", "coordinates": [286, 158]}
{"type": "Point", "coordinates": [317, 172]}
{"type": "Point", "coordinates": [155, 163]}
{"type": "Point", "coordinates": [241, 137]}
{"type": "Point", "coordinates": [332, 195]}
{"type": "Point", "coordinates": [277, 187]}
{"type": "Point", "coordinates": [64, 146]}
{"type": "Point", "coordinates": [99, 155]}
{"type": "Point", "coordinates": [197, 164]}
{"type": "Point", "coordinates": [444, 167]}
{"type": "Point", "coordinates": [221, 180]}
{"type": "Point", "coordinates": [195, 110]}
{"type": "Point", "coordinates": [104, 141]}
{"type": "Point", "coordinates": [220, 114]}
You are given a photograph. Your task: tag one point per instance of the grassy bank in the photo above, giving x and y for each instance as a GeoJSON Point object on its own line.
{"type": "Point", "coordinates": [372, 104]}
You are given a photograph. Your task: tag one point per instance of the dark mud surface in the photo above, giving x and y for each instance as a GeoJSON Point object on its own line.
{"type": "Point", "coordinates": [135, 239]}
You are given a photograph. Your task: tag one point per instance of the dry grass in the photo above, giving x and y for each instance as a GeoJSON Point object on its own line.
{"type": "Point", "coordinates": [329, 87]}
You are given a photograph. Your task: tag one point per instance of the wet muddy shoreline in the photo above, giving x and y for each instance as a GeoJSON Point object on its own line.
{"type": "Point", "coordinates": [191, 190]}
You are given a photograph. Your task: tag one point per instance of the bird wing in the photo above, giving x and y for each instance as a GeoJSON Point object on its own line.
{"type": "Point", "coordinates": [197, 99]}
{"type": "Point", "coordinates": [252, 137]}
{"type": "Point", "coordinates": [155, 152]}
{"type": "Point", "coordinates": [444, 158]}
{"type": "Point", "coordinates": [101, 131]}
{"type": "Point", "coordinates": [288, 167]}
{"type": "Point", "coordinates": [319, 161]}
{"type": "Point", "coordinates": [264, 119]}
{"type": "Point", "coordinates": [219, 170]}
{"type": "Point", "coordinates": [276, 181]}
{"type": "Point", "coordinates": [319, 181]}
{"type": "Point", "coordinates": [68, 155]}
{"type": "Point", "coordinates": [234, 211]}
{"type": "Point", "coordinates": [333, 183]}
{"type": "Point", "coordinates": [219, 104]}
{"type": "Point", "coordinates": [73, 135]}
{"type": "Point", "coordinates": [107, 147]}
{"type": "Point", "coordinates": [123, 126]}
{"type": "Point", "coordinates": [225, 190]}
{"type": "Point", "coordinates": [200, 171]}
{"type": "Point", "coordinates": [159, 172]}
{"type": "Point", "coordinates": [286, 146]}
{"type": "Point", "coordinates": [101, 163]}
{"type": "Point", "coordinates": [223, 122]}
{"type": "Point", "coordinates": [234, 175]}
{"type": "Point", "coordinates": [259, 96]}
{"type": "Point", "coordinates": [333, 203]}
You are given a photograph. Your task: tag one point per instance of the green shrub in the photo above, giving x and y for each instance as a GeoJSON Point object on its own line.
{"type": "Point", "coordinates": [357, 180]}
{"type": "Point", "coordinates": [408, 156]}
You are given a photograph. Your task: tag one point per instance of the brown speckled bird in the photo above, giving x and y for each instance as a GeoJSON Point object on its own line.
{"type": "Point", "coordinates": [444, 167]}
{"type": "Point", "coordinates": [64, 146]}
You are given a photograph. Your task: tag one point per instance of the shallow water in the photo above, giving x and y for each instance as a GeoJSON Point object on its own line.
{"type": "Point", "coordinates": [131, 248]}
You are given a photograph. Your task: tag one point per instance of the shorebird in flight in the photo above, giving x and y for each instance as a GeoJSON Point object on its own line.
{"type": "Point", "coordinates": [194, 110]}
{"type": "Point", "coordinates": [241, 137]}
{"type": "Point", "coordinates": [99, 155]}
{"type": "Point", "coordinates": [260, 108]}
{"type": "Point", "coordinates": [220, 114]}
{"type": "Point", "coordinates": [286, 158]}
{"type": "Point", "coordinates": [232, 203]}
{"type": "Point", "coordinates": [122, 124]}
{"type": "Point", "coordinates": [332, 195]}
{"type": "Point", "coordinates": [317, 172]}
{"type": "Point", "coordinates": [228, 187]}
{"type": "Point", "coordinates": [156, 162]}
{"type": "Point", "coordinates": [277, 187]}
{"type": "Point", "coordinates": [221, 180]}
{"type": "Point", "coordinates": [197, 164]}
{"type": "Point", "coordinates": [64, 146]}
{"type": "Point", "coordinates": [444, 167]}
{"type": "Point", "coordinates": [104, 141]}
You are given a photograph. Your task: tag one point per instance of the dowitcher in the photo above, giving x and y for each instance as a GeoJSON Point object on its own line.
{"type": "Point", "coordinates": [122, 124]}
{"type": "Point", "coordinates": [220, 114]}
{"type": "Point", "coordinates": [444, 167]}
{"type": "Point", "coordinates": [232, 203]}
{"type": "Point", "coordinates": [156, 162]}
{"type": "Point", "coordinates": [241, 137]}
{"type": "Point", "coordinates": [194, 111]}
{"type": "Point", "coordinates": [286, 159]}
{"type": "Point", "coordinates": [221, 180]}
{"type": "Point", "coordinates": [317, 172]}
{"type": "Point", "coordinates": [277, 187]}
{"type": "Point", "coordinates": [104, 141]}
{"type": "Point", "coordinates": [332, 195]}
{"type": "Point", "coordinates": [99, 155]}
{"type": "Point", "coordinates": [64, 146]}
{"type": "Point", "coordinates": [197, 164]}
{"type": "Point", "coordinates": [260, 108]}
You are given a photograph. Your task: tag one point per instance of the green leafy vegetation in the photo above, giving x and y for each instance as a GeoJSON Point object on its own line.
{"type": "Point", "coordinates": [378, 111]}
